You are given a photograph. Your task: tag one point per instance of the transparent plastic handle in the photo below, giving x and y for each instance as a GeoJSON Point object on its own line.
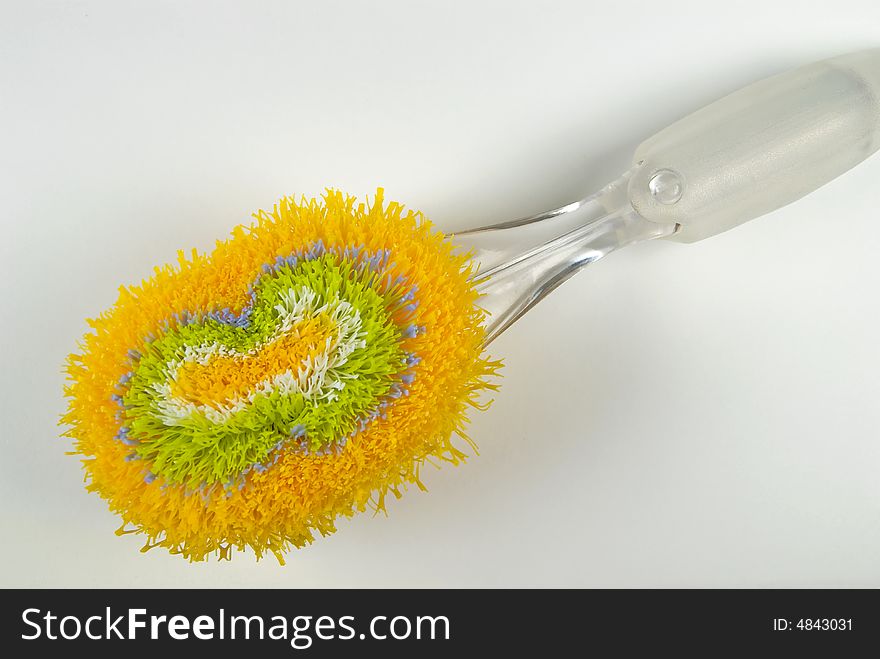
{"type": "Point", "coordinates": [760, 148]}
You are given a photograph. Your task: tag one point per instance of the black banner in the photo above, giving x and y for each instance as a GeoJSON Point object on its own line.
{"type": "Point", "coordinates": [434, 622]}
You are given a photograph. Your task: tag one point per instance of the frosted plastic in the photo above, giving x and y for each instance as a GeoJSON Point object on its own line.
{"type": "Point", "coordinates": [760, 148]}
{"type": "Point", "coordinates": [745, 155]}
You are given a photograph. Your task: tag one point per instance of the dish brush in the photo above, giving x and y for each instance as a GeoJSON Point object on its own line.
{"type": "Point", "coordinates": [314, 361]}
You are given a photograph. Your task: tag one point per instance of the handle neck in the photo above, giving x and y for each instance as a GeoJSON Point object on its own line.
{"type": "Point", "coordinates": [522, 261]}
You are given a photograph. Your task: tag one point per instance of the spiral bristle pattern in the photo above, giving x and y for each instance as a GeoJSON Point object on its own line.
{"type": "Point", "coordinates": [306, 367]}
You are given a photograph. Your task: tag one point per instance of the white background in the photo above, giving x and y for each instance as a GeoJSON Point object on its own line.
{"type": "Point", "coordinates": [676, 415]}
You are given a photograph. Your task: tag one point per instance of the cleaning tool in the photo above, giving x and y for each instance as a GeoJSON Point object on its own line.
{"type": "Point", "coordinates": [313, 362]}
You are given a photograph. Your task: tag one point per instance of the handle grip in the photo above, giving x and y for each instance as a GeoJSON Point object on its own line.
{"type": "Point", "coordinates": [761, 147]}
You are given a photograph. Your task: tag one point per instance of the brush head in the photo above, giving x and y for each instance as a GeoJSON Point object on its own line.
{"type": "Point", "coordinates": [248, 397]}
